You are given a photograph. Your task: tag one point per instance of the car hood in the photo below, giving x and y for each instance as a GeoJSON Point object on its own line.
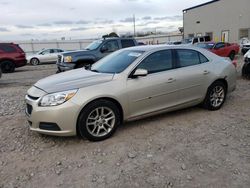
{"type": "Point", "coordinates": [74, 79]}
{"type": "Point", "coordinates": [68, 53]}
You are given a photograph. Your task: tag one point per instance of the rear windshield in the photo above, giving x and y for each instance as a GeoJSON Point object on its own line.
{"type": "Point", "coordinates": [206, 45]}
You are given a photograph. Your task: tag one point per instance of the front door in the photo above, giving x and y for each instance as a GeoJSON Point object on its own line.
{"type": "Point", "coordinates": [157, 90]}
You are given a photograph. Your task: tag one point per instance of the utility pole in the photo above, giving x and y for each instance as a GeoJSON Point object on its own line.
{"type": "Point", "coordinates": [134, 23]}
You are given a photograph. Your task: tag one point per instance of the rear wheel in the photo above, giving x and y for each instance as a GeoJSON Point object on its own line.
{"type": "Point", "coordinates": [216, 96]}
{"type": "Point", "coordinates": [7, 66]}
{"type": "Point", "coordinates": [98, 120]}
{"type": "Point", "coordinates": [232, 55]}
{"type": "Point", "coordinates": [34, 61]}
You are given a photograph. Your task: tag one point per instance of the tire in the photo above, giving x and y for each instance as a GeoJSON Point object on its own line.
{"type": "Point", "coordinates": [7, 66]}
{"type": "Point", "coordinates": [80, 65]}
{"type": "Point", "coordinates": [232, 55]}
{"type": "Point", "coordinates": [98, 120]}
{"type": "Point", "coordinates": [216, 96]}
{"type": "Point", "coordinates": [34, 61]}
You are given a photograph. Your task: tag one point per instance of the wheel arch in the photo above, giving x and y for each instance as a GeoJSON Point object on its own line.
{"type": "Point", "coordinates": [223, 80]}
{"type": "Point", "coordinates": [119, 106]}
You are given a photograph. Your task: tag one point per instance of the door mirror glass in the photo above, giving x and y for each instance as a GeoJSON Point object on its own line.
{"type": "Point", "coordinates": [140, 72]}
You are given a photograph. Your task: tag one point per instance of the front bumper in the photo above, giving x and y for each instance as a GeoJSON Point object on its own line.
{"type": "Point", "coordinates": [62, 66]}
{"type": "Point", "coordinates": [64, 116]}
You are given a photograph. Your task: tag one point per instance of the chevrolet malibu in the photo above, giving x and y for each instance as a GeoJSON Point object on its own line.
{"type": "Point", "coordinates": [126, 85]}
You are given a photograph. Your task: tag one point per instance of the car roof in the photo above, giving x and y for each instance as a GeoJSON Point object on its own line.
{"type": "Point", "coordinates": [148, 48]}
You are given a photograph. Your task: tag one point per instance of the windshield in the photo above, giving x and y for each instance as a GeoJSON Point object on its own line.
{"type": "Point", "coordinates": [94, 45]}
{"type": "Point", "coordinates": [205, 45]}
{"type": "Point", "coordinates": [117, 61]}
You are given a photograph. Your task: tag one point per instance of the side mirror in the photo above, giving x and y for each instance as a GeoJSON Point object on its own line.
{"type": "Point", "coordinates": [140, 72]}
{"type": "Point", "coordinates": [104, 49]}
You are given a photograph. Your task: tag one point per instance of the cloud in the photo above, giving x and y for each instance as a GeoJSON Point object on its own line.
{"type": "Point", "coordinates": [148, 23]}
{"type": "Point", "coordinates": [170, 18]}
{"type": "Point", "coordinates": [63, 22]}
{"type": "Point", "coordinates": [104, 22]}
{"type": "Point", "coordinates": [24, 26]}
{"type": "Point", "coordinates": [146, 18]}
{"type": "Point", "coordinates": [78, 29]}
{"type": "Point", "coordinates": [3, 29]}
{"type": "Point", "coordinates": [44, 25]}
{"type": "Point", "coordinates": [82, 22]}
{"type": "Point", "coordinates": [127, 20]}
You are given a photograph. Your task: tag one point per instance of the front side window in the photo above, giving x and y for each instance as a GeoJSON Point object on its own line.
{"type": "Point", "coordinates": [111, 46]}
{"type": "Point", "coordinates": [187, 58]}
{"type": "Point", "coordinates": [45, 52]}
{"type": "Point", "coordinates": [220, 45]}
{"type": "Point", "coordinates": [157, 62]}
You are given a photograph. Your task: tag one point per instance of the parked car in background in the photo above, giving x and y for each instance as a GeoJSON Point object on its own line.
{"type": "Point", "coordinates": [44, 56]}
{"type": "Point", "coordinates": [126, 85]}
{"type": "Point", "coordinates": [221, 48]}
{"type": "Point", "coordinates": [11, 57]}
{"type": "Point", "coordinates": [92, 53]}
{"type": "Point", "coordinates": [195, 40]}
{"type": "Point", "coordinates": [246, 66]}
{"type": "Point", "coordinates": [245, 48]}
{"type": "Point", "coordinates": [174, 43]}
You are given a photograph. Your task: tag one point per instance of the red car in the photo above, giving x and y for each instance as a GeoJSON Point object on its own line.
{"type": "Point", "coordinates": [11, 57]}
{"type": "Point", "coordinates": [221, 48]}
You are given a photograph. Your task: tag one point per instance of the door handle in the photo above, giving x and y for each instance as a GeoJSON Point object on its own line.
{"type": "Point", "coordinates": [205, 72]}
{"type": "Point", "coordinates": [170, 80]}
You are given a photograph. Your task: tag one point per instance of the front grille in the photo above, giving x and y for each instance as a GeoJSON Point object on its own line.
{"type": "Point", "coordinates": [59, 59]}
{"type": "Point", "coordinates": [29, 109]}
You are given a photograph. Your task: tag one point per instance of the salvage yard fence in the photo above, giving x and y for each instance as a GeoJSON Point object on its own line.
{"type": "Point", "coordinates": [31, 47]}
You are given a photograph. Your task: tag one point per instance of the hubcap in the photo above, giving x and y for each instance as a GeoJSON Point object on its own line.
{"type": "Point", "coordinates": [217, 96]}
{"type": "Point", "coordinates": [35, 62]}
{"type": "Point", "coordinates": [100, 121]}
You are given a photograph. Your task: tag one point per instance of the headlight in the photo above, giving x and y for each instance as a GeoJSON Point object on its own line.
{"type": "Point", "coordinates": [68, 59]}
{"type": "Point", "coordinates": [55, 99]}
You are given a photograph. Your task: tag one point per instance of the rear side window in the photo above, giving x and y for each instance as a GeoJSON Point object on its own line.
{"type": "Point", "coordinates": [7, 48]}
{"type": "Point", "coordinates": [203, 59]}
{"type": "Point", "coordinates": [187, 58]}
{"type": "Point", "coordinates": [127, 43]}
{"type": "Point", "coordinates": [157, 62]}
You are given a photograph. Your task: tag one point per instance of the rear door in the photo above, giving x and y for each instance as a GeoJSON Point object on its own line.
{"type": "Point", "coordinates": [192, 75]}
{"type": "Point", "coordinates": [127, 43]}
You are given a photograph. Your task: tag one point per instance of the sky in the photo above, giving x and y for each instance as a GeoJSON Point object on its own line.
{"type": "Point", "coordinates": [81, 19]}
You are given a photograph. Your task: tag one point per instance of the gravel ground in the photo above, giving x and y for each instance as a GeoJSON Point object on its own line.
{"type": "Point", "coordinates": [187, 148]}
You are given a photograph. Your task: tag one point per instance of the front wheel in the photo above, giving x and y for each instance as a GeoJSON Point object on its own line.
{"type": "Point", "coordinates": [216, 96]}
{"type": "Point", "coordinates": [98, 120]}
{"type": "Point", "coordinates": [34, 61]}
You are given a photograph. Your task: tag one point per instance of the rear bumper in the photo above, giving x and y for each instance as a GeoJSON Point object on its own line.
{"type": "Point", "coordinates": [20, 63]}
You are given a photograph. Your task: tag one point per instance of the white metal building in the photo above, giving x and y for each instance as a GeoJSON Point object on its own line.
{"type": "Point", "coordinates": [222, 20]}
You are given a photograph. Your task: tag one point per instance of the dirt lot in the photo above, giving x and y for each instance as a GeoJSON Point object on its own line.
{"type": "Point", "coordinates": [188, 148]}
